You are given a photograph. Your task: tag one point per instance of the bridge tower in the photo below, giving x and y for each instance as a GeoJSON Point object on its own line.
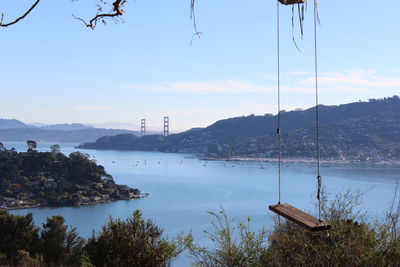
{"type": "Point", "coordinates": [143, 127]}
{"type": "Point", "coordinates": [166, 126]}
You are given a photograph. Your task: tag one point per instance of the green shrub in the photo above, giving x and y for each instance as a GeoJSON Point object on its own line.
{"type": "Point", "coordinates": [132, 242]}
{"type": "Point", "coordinates": [232, 245]}
{"type": "Point", "coordinates": [352, 240]}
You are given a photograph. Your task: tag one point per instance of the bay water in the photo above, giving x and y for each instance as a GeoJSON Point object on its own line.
{"type": "Point", "coordinates": [182, 189]}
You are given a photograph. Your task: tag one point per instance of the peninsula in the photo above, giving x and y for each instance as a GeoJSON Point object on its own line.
{"type": "Point", "coordinates": [40, 179]}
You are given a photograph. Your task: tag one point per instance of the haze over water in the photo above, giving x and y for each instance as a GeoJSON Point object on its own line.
{"type": "Point", "coordinates": [183, 188]}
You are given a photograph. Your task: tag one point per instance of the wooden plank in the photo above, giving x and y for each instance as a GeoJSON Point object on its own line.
{"type": "Point", "coordinates": [292, 2]}
{"type": "Point", "coordinates": [299, 217]}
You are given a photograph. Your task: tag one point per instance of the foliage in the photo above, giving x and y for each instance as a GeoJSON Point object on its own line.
{"type": "Point", "coordinates": [352, 240]}
{"type": "Point", "coordinates": [60, 246]}
{"type": "Point", "coordinates": [55, 149]}
{"type": "Point", "coordinates": [388, 230]}
{"type": "Point", "coordinates": [50, 178]}
{"type": "Point", "coordinates": [132, 242]}
{"type": "Point", "coordinates": [81, 168]}
{"type": "Point", "coordinates": [228, 249]}
{"type": "Point", "coordinates": [2, 148]}
{"type": "Point", "coordinates": [21, 244]}
{"type": "Point", "coordinates": [77, 167]}
{"type": "Point", "coordinates": [31, 144]}
{"type": "Point", "coordinates": [19, 237]}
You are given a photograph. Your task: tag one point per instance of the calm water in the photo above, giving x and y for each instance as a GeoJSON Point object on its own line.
{"type": "Point", "coordinates": [182, 189]}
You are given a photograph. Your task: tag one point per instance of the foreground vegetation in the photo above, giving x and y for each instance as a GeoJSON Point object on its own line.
{"type": "Point", "coordinates": [354, 240]}
{"type": "Point", "coordinates": [130, 242]}
{"type": "Point", "coordinates": [32, 178]}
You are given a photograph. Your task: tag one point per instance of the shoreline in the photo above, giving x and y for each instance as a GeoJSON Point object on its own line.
{"type": "Point", "coordinates": [302, 160]}
{"type": "Point", "coordinates": [265, 159]}
{"type": "Point", "coordinates": [143, 195]}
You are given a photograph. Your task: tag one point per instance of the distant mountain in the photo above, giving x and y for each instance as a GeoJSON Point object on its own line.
{"type": "Point", "coordinates": [8, 124]}
{"type": "Point", "coordinates": [15, 130]}
{"type": "Point", "coordinates": [116, 125]}
{"type": "Point", "coordinates": [66, 127]}
{"type": "Point", "coordinates": [126, 126]}
{"type": "Point", "coordinates": [38, 124]}
{"type": "Point", "coordinates": [62, 136]}
{"type": "Point", "coordinates": [360, 130]}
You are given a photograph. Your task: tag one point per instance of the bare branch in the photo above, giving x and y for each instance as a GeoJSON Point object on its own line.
{"type": "Point", "coordinates": [193, 18]}
{"type": "Point", "coordinates": [18, 19]}
{"type": "Point", "coordinates": [116, 12]}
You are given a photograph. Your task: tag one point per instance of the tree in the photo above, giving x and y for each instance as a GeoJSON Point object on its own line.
{"type": "Point", "coordinates": [55, 149]}
{"type": "Point", "coordinates": [31, 144]}
{"type": "Point", "coordinates": [60, 246]}
{"type": "Point", "coordinates": [83, 169]}
{"type": "Point", "coordinates": [2, 148]}
{"type": "Point", "coordinates": [132, 242]}
{"type": "Point", "coordinates": [18, 235]}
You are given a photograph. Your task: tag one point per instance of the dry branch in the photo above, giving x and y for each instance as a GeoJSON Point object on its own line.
{"type": "Point", "coordinates": [193, 18]}
{"type": "Point", "coordinates": [116, 12]}
{"type": "Point", "coordinates": [19, 18]}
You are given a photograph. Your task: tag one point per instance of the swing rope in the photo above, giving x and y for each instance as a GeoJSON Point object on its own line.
{"type": "Point", "coordinates": [319, 178]}
{"type": "Point", "coordinates": [287, 211]}
{"type": "Point", "coordinates": [278, 129]}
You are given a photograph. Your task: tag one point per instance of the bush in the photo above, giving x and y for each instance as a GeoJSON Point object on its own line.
{"type": "Point", "coordinates": [348, 243]}
{"type": "Point", "coordinates": [132, 242]}
{"type": "Point", "coordinates": [352, 240]}
{"type": "Point", "coordinates": [246, 249]}
{"type": "Point", "coordinates": [388, 229]}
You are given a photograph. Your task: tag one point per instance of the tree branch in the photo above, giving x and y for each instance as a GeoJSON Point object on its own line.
{"type": "Point", "coordinates": [116, 11]}
{"type": "Point", "coordinates": [193, 18]}
{"type": "Point", "coordinates": [18, 19]}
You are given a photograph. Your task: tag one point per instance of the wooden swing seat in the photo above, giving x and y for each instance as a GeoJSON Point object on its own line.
{"type": "Point", "coordinates": [292, 2]}
{"type": "Point", "coordinates": [300, 217]}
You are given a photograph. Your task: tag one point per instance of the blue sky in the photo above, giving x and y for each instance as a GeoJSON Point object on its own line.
{"type": "Point", "coordinates": [55, 70]}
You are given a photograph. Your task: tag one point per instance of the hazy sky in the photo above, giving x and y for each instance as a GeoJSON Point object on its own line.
{"type": "Point", "coordinates": [55, 70]}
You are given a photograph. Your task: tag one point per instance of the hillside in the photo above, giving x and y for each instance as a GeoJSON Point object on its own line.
{"type": "Point", "coordinates": [12, 123]}
{"type": "Point", "coordinates": [15, 130]}
{"type": "Point", "coordinates": [66, 126]}
{"type": "Point", "coordinates": [360, 130]}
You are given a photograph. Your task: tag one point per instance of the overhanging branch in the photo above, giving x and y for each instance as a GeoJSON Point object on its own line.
{"type": "Point", "coordinates": [193, 18]}
{"type": "Point", "coordinates": [18, 19]}
{"type": "Point", "coordinates": [116, 12]}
